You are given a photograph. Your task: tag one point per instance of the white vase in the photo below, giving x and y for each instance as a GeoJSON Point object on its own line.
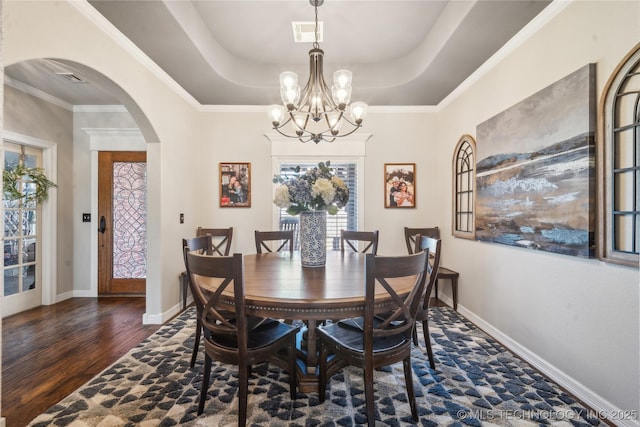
{"type": "Point", "coordinates": [313, 238]}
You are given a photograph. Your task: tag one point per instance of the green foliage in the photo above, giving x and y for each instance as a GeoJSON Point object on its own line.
{"type": "Point", "coordinates": [12, 179]}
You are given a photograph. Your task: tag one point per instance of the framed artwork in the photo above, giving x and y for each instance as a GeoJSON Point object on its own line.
{"type": "Point", "coordinates": [535, 175]}
{"type": "Point", "coordinates": [235, 185]}
{"type": "Point", "coordinates": [399, 185]}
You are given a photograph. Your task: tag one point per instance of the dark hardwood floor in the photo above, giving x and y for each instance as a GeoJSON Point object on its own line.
{"type": "Point", "coordinates": [50, 351]}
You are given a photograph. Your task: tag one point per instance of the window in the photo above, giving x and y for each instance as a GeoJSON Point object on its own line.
{"type": "Point", "coordinates": [619, 165]}
{"type": "Point", "coordinates": [21, 230]}
{"type": "Point", "coordinates": [346, 218]}
{"type": "Point", "coordinates": [464, 177]}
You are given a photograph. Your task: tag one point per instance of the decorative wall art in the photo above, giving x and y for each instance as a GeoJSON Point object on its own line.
{"type": "Point", "coordinates": [399, 185]}
{"type": "Point", "coordinates": [235, 185]}
{"type": "Point", "coordinates": [535, 176]}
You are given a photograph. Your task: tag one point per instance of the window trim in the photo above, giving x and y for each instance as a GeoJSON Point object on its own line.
{"type": "Point", "coordinates": [463, 142]}
{"type": "Point", "coordinates": [351, 149]}
{"type": "Point", "coordinates": [605, 250]}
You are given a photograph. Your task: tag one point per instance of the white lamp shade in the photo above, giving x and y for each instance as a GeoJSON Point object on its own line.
{"type": "Point", "coordinates": [288, 79]}
{"type": "Point", "coordinates": [358, 111]}
{"type": "Point", "coordinates": [342, 78]}
{"type": "Point", "coordinates": [341, 95]}
{"type": "Point", "coordinates": [334, 122]}
{"type": "Point", "coordinates": [276, 113]}
{"type": "Point", "coordinates": [290, 94]}
{"type": "Point", "coordinates": [299, 119]}
{"type": "Point", "coordinates": [298, 123]}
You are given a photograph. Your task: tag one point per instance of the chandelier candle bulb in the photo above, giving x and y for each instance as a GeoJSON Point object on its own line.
{"type": "Point", "coordinates": [276, 114]}
{"type": "Point", "coordinates": [358, 111]}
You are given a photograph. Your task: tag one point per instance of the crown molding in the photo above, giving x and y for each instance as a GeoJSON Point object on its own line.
{"type": "Point", "coordinates": [90, 13]}
{"type": "Point", "coordinates": [543, 18]}
{"type": "Point", "coordinates": [370, 109]}
{"type": "Point", "coordinates": [100, 109]}
{"type": "Point", "coordinates": [37, 93]}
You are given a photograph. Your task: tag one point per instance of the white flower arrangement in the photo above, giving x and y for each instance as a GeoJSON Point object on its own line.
{"type": "Point", "coordinates": [314, 190]}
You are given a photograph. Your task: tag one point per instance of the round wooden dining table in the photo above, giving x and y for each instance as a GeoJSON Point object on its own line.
{"type": "Point", "coordinates": [277, 286]}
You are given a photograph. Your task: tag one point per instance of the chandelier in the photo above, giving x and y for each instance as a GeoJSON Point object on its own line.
{"type": "Point", "coordinates": [316, 113]}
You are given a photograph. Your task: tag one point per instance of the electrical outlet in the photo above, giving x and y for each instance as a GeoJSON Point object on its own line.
{"type": "Point", "coordinates": [86, 217]}
{"type": "Point", "coordinates": [181, 218]}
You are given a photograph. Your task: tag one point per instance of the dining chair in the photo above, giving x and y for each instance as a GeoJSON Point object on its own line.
{"type": "Point", "coordinates": [291, 223]}
{"type": "Point", "coordinates": [228, 337]}
{"type": "Point", "coordinates": [220, 239]}
{"type": "Point", "coordinates": [444, 273]}
{"type": "Point", "coordinates": [377, 339]}
{"type": "Point", "coordinates": [284, 237]}
{"type": "Point", "coordinates": [201, 245]}
{"type": "Point", "coordinates": [349, 239]}
{"type": "Point", "coordinates": [432, 246]}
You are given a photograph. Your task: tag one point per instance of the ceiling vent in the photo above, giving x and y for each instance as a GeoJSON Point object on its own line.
{"type": "Point", "coordinates": [305, 32]}
{"type": "Point", "coordinates": [71, 77]}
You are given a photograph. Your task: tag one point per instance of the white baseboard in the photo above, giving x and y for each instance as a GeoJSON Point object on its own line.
{"type": "Point", "coordinates": [3, 422]}
{"type": "Point", "coordinates": [73, 294]}
{"type": "Point", "coordinates": [160, 318]}
{"type": "Point", "coordinates": [84, 294]}
{"type": "Point", "coordinates": [596, 402]}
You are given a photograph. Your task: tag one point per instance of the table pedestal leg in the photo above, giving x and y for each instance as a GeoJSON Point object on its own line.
{"type": "Point", "coordinates": [312, 347]}
{"type": "Point", "coordinates": [308, 358]}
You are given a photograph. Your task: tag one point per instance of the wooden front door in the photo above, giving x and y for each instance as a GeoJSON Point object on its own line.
{"type": "Point", "coordinates": [122, 234]}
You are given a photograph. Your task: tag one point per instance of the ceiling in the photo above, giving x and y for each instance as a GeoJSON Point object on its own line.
{"type": "Point", "coordinates": [231, 52]}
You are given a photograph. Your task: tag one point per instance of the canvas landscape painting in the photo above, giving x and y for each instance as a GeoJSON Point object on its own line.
{"type": "Point", "coordinates": [536, 170]}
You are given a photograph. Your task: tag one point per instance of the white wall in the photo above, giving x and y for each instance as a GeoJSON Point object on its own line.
{"type": "Point", "coordinates": [576, 318]}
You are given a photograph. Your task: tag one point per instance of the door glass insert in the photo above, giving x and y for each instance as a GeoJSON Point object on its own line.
{"type": "Point", "coordinates": [129, 220]}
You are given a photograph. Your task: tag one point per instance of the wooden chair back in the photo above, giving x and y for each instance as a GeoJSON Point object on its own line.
{"type": "Point", "coordinates": [432, 247]}
{"type": "Point", "coordinates": [399, 320]}
{"type": "Point", "coordinates": [291, 223]}
{"type": "Point", "coordinates": [378, 339]}
{"type": "Point", "coordinates": [220, 239]}
{"type": "Point", "coordinates": [228, 336]}
{"type": "Point", "coordinates": [216, 317]}
{"type": "Point", "coordinates": [284, 237]}
{"type": "Point", "coordinates": [349, 239]}
{"type": "Point", "coordinates": [199, 245]}
{"type": "Point", "coordinates": [411, 233]}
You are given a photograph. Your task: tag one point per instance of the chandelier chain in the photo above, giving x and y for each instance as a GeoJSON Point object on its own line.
{"type": "Point", "coordinates": [315, 43]}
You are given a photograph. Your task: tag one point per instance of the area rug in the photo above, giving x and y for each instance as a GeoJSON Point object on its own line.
{"type": "Point", "coordinates": [476, 382]}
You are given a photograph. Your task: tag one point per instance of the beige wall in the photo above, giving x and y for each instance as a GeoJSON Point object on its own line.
{"type": "Point", "coordinates": [575, 317]}
{"type": "Point", "coordinates": [239, 137]}
{"type": "Point", "coordinates": [65, 30]}
{"type": "Point", "coordinates": [30, 116]}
